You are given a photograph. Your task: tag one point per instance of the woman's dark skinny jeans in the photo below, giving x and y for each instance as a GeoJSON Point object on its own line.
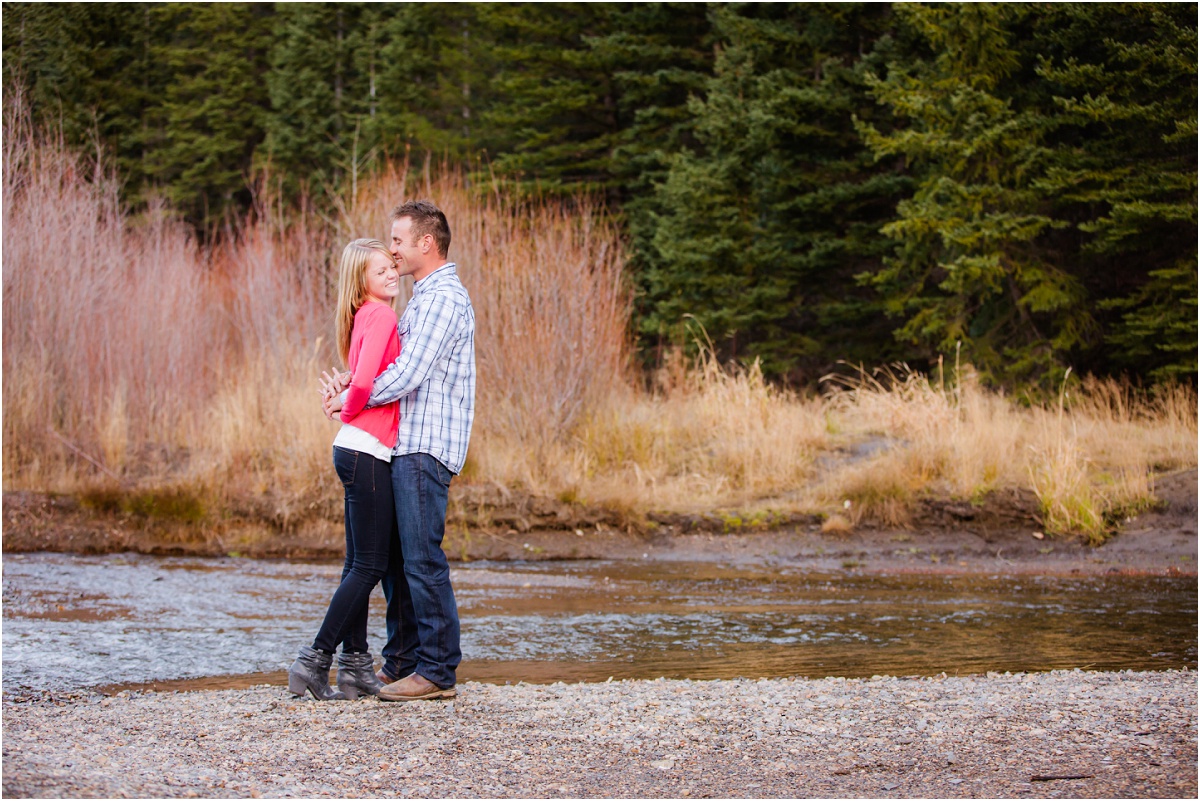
{"type": "Point", "coordinates": [370, 529]}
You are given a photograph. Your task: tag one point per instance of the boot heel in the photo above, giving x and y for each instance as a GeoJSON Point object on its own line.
{"type": "Point", "coordinates": [296, 686]}
{"type": "Point", "coordinates": [350, 690]}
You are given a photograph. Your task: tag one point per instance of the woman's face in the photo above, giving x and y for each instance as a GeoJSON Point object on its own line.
{"type": "Point", "coordinates": [383, 280]}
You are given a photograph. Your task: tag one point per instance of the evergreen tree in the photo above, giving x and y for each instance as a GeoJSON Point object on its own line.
{"type": "Point", "coordinates": [320, 125]}
{"type": "Point", "coordinates": [91, 70]}
{"type": "Point", "coordinates": [760, 230]}
{"type": "Point", "coordinates": [211, 118]}
{"type": "Point", "coordinates": [594, 96]}
{"type": "Point", "coordinates": [973, 262]}
{"type": "Point", "coordinates": [1054, 148]}
{"type": "Point", "coordinates": [436, 74]}
{"type": "Point", "coordinates": [557, 120]}
{"type": "Point", "coordinates": [662, 55]}
{"type": "Point", "coordinates": [1124, 84]}
{"type": "Point", "coordinates": [659, 55]}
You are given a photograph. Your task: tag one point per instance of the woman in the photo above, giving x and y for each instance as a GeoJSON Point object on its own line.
{"type": "Point", "coordinates": [368, 283]}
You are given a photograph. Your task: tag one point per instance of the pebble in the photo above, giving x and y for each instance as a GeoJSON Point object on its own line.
{"type": "Point", "coordinates": [1000, 735]}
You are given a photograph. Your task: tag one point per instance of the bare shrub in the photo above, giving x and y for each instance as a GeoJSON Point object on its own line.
{"type": "Point", "coordinates": [125, 340]}
{"type": "Point", "coordinates": [106, 323]}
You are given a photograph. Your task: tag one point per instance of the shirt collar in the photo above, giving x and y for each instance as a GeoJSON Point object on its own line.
{"type": "Point", "coordinates": [446, 270]}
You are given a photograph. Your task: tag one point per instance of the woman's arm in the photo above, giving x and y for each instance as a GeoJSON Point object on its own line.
{"type": "Point", "coordinates": [379, 326]}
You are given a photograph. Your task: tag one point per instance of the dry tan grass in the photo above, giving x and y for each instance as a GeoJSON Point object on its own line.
{"type": "Point", "coordinates": [1095, 455]}
{"type": "Point", "coordinates": [717, 438]}
{"type": "Point", "coordinates": [102, 345]}
{"type": "Point", "coordinates": [1088, 460]}
{"type": "Point", "coordinates": [956, 439]}
{"type": "Point", "coordinates": [135, 358]}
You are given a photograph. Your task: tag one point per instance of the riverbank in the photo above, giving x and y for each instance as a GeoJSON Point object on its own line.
{"type": "Point", "coordinates": [1061, 734]}
{"type": "Point", "coordinates": [1001, 533]}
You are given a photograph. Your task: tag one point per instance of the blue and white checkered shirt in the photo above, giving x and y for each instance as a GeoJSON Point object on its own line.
{"type": "Point", "coordinates": [434, 377]}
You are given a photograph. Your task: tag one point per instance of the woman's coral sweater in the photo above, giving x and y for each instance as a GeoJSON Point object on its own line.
{"type": "Point", "coordinates": [374, 344]}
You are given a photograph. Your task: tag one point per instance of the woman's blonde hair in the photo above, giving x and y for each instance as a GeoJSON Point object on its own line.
{"type": "Point", "coordinates": [352, 288]}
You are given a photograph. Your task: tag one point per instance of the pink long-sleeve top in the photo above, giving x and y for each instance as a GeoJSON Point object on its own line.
{"type": "Point", "coordinates": [374, 344]}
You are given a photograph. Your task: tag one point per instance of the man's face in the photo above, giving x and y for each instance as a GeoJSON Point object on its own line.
{"type": "Point", "coordinates": [405, 247]}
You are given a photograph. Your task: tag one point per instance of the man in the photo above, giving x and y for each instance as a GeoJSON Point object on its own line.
{"type": "Point", "coordinates": [434, 380]}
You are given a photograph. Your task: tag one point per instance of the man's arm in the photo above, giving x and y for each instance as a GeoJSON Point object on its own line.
{"type": "Point", "coordinates": [430, 339]}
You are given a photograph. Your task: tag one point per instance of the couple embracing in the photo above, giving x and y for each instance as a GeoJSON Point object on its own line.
{"type": "Point", "coordinates": [406, 405]}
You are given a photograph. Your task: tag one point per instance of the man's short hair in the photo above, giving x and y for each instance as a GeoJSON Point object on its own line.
{"type": "Point", "coordinates": [426, 218]}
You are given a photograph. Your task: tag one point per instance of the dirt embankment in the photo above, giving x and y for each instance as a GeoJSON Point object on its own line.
{"type": "Point", "coordinates": [491, 523]}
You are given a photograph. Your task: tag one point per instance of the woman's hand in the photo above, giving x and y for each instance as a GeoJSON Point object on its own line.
{"type": "Point", "coordinates": [332, 385]}
{"type": "Point", "coordinates": [332, 406]}
{"type": "Point", "coordinates": [333, 382]}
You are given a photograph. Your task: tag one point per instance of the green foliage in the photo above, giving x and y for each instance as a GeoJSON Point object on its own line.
{"type": "Point", "coordinates": [210, 120]}
{"type": "Point", "coordinates": [660, 54]}
{"type": "Point", "coordinates": [757, 232]}
{"type": "Point", "coordinates": [1158, 327]}
{"type": "Point", "coordinates": [561, 121]}
{"type": "Point", "coordinates": [593, 96]}
{"type": "Point", "coordinates": [1125, 81]}
{"type": "Point", "coordinates": [350, 82]}
{"type": "Point", "coordinates": [810, 182]}
{"type": "Point", "coordinates": [317, 100]}
{"type": "Point", "coordinates": [435, 78]}
{"type": "Point", "coordinates": [971, 263]}
{"type": "Point", "coordinates": [1041, 171]}
{"type": "Point", "coordinates": [91, 70]}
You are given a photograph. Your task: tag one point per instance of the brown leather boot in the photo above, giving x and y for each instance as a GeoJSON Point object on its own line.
{"type": "Point", "coordinates": [415, 688]}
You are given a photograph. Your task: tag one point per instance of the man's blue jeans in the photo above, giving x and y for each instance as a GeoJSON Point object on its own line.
{"type": "Point", "coordinates": [422, 617]}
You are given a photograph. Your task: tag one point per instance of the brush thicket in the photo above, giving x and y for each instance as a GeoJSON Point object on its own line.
{"type": "Point", "coordinates": [138, 360]}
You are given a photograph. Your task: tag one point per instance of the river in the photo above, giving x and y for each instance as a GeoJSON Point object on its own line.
{"type": "Point", "coordinates": [76, 622]}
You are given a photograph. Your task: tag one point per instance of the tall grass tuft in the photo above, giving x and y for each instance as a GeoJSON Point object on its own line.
{"type": "Point", "coordinates": [1097, 453]}
{"type": "Point", "coordinates": [934, 437]}
{"type": "Point", "coordinates": [1059, 476]}
{"type": "Point", "coordinates": [713, 437]}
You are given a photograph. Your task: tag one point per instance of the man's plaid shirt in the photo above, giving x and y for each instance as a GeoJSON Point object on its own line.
{"type": "Point", "coordinates": [434, 377]}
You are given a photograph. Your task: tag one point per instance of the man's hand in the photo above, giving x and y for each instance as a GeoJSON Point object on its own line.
{"type": "Point", "coordinates": [332, 384]}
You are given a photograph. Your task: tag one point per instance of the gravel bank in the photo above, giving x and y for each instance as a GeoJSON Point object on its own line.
{"type": "Point", "coordinates": [1123, 734]}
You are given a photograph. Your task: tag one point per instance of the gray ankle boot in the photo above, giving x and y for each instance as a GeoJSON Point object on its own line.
{"type": "Point", "coordinates": [356, 675]}
{"type": "Point", "coordinates": [310, 672]}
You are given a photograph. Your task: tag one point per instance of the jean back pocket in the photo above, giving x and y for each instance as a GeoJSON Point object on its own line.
{"type": "Point", "coordinates": [344, 464]}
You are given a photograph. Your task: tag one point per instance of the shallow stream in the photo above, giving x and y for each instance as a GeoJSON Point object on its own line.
{"type": "Point", "coordinates": [73, 622]}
